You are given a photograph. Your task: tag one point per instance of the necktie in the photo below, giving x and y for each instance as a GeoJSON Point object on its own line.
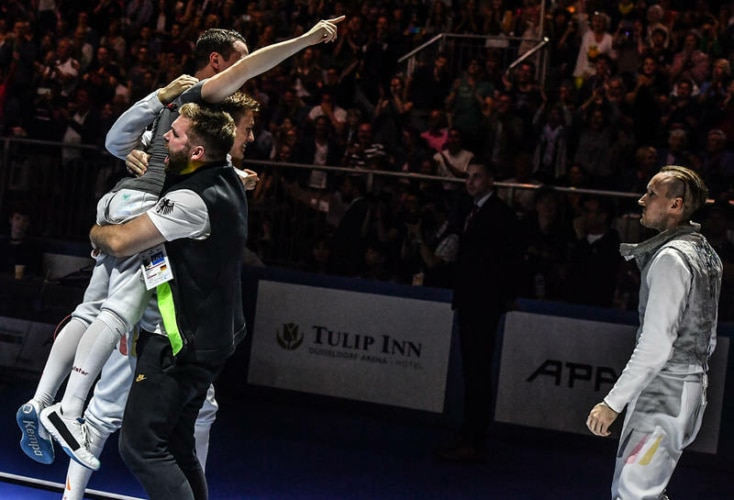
{"type": "Point", "coordinates": [472, 213]}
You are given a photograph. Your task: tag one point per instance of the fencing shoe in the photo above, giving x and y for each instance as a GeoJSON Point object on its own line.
{"type": "Point", "coordinates": [71, 434]}
{"type": "Point", "coordinates": [34, 441]}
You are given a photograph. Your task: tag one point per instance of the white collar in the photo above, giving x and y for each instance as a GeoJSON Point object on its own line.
{"type": "Point", "coordinates": [481, 201]}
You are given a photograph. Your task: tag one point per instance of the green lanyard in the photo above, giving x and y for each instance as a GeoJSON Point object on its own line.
{"type": "Point", "coordinates": [168, 313]}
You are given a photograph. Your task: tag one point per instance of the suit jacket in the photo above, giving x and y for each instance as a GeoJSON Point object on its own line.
{"type": "Point", "coordinates": [490, 254]}
{"type": "Point", "coordinates": [348, 242]}
{"type": "Point", "coordinates": [592, 271]}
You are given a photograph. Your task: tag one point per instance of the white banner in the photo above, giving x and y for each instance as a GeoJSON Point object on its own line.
{"type": "Point", "coordinates": [353, 345]}
{"type": "Point", "coordinates": [24, 344]}
{"type": "Point", "coordinates": [554, 369]}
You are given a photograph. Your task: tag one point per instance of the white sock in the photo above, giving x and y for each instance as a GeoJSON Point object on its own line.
{"type": "Point", "coordinates": [204, 420]}
{"type": "Point", "coordinates": [77, 476]}
{"type": "Point", "coordinates": [59, 361]}
{"type": "Point", "coordinates": [201, 440]}
{"type": "Point", "coordinates": [95, 347]}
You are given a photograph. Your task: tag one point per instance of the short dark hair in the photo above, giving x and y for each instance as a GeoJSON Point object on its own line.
{"type": "Point", "coordinates": [488, 169]}
{"type": "Point", "coordinates": [215, 40]}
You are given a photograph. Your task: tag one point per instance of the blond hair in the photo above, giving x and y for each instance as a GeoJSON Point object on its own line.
{"type": "Point", "coordinates": [238, 105]}
{"type": "Point", "coordinates": [686, 184]}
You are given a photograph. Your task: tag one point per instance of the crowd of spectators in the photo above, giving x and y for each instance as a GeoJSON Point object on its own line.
{"type": "Point", "coordinates": [629, 86]}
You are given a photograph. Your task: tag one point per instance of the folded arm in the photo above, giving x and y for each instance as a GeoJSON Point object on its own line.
{"type": "Point", "coordinates": [124, 135]}
{"type": "Point", "coordinates": [123, 240]}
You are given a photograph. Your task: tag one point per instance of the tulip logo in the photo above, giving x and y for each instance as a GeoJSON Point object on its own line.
{"type": "Point", "coordinates": [289, 338]}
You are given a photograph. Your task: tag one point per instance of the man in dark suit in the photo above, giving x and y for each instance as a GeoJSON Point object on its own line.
{"type": "Point", "coordinates": [348, 241]}
{"type": "Point", "coordinates": [485, 283]}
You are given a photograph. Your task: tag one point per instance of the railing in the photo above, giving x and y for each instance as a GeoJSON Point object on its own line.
{"type": "Point", "coordinates": [60, 183]}
{"type": "Point", "coordinates": [284, 222]}
{"type": "Point", "coordinates": [285, 217]}
{"type": "Point", "coordinates": [461, 48]}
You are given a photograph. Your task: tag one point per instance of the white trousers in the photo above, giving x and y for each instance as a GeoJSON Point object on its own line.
{"type": "Point", "coordinates": [660, 423]}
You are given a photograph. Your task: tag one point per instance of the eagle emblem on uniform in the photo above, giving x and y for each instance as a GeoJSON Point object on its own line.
{"type": "Point", "coordinates": [164, 207]}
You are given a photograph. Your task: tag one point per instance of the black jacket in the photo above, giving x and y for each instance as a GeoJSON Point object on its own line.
{"type": "Point", "coordinates": [490, 253]}
{"type": "Point", "coordinates": [207, 283]}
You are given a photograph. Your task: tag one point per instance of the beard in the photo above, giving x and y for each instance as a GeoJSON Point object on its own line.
{"type": "Point", "coordinates": [177, 161]}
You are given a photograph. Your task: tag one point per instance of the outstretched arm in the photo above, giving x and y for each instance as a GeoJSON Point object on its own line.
{"type": "Point", "coordinates": [226, 83]}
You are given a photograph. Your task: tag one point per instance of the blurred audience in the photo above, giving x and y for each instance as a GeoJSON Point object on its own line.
{"type": "Point", "coordinates": [20, 253]}
{"type": "Point", "coordinates": [548, 238]}
{"type": "Point", "coordinates": [629, 87]}
{"type": "Point", "coordinates": [594, 257]}
{"type": "Point", "coordinates": [715, 224]}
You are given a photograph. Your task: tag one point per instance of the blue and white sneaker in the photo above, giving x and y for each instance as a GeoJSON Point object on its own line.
{"type": "Point", "coordinates": [71, 433]}
{"type": "Point", "coordinates": [35, 441]}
